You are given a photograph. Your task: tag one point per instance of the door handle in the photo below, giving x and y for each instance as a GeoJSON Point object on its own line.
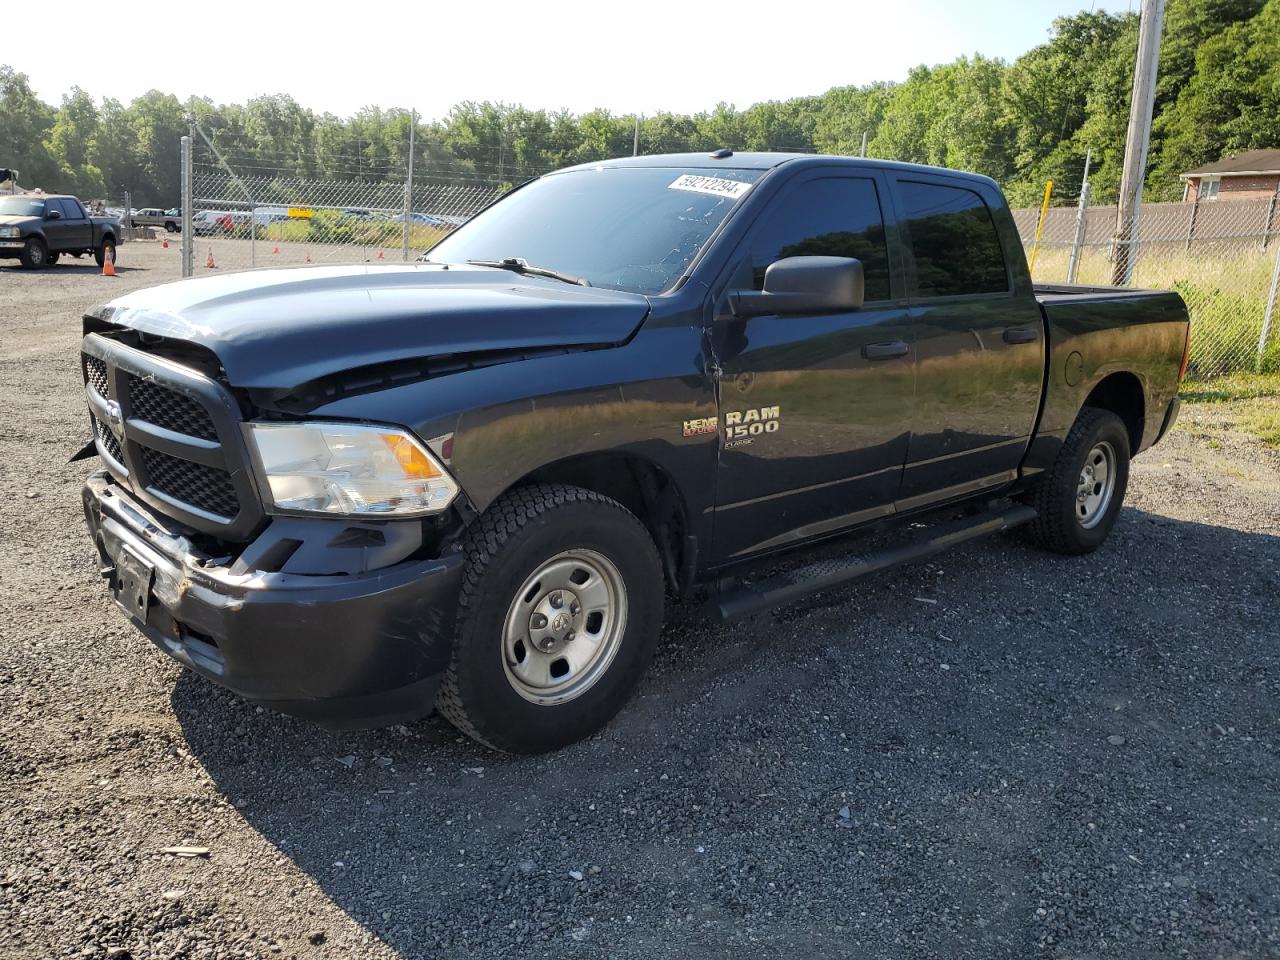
{"type": "Point", "coordinates": [886, 351]}
{"type": "Point", "coordinates": [1021, 335]}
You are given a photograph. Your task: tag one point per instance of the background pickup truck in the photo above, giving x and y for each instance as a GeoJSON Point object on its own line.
{"type": "Point", "coordinates": [38, 228]}
{"type": "Point", "coordinates": [171, 220]}
{"type": "Point", "coordinates": [353, 492]}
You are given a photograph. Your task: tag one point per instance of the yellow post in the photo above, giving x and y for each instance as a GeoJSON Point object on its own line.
{"type": "Point", "coordinates": [1044, 209]}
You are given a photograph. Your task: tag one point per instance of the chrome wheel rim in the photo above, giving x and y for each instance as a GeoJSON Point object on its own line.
{"type": "Point", "coordinates": [564, 627]}
{"type": "Point", "coordinates": [1096, 485]}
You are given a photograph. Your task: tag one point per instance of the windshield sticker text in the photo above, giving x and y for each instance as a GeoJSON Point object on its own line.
{"type": "Point", "coordinates": [716, 186]}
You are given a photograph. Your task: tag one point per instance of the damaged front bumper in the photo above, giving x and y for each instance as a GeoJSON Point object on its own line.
{"type": "Point", "coordinates": [345, 650]}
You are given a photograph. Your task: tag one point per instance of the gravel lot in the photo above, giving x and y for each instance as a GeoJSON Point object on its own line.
{"type": "Point", "coordinates": [998, 754]}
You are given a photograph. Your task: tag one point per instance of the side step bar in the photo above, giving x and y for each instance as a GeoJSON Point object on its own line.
{"type": "Point", "coordinates": [747, 598]}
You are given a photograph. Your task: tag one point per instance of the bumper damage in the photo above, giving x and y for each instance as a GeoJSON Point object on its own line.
{"type": "Point", "coordinates": [345, 650]}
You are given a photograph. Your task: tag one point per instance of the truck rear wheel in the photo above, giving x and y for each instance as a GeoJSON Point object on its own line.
{"type": "Point", "coordinates": [34, 254]}
{"type": "Point", "coordinates": [107, 246]}
{"type": "Point", "coordinates": [559, 615]}
{"type": "Point", "coordinates": [1078, 499]}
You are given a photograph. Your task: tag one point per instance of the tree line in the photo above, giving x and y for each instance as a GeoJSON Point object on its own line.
{"type": "Point", "coordinates": [1020, 123]}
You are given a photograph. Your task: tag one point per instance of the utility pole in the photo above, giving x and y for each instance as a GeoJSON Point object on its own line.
{"type": "Point", "coordinates": [635, 144]}
{"type": "Point", "coordinates": [1138, 139]}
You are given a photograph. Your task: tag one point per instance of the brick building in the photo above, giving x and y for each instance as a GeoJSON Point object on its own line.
{"type": "Point", "coordinates": [1252, 175]}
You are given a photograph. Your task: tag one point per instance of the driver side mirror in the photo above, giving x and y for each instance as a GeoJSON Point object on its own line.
{"type": "Point", "coordinates": [52, 215]}
{"type": "Point", "coordinates": [804, 285]}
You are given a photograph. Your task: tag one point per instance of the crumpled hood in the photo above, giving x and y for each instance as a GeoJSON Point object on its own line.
{"type": "Point", "coordinates": [281, 328]}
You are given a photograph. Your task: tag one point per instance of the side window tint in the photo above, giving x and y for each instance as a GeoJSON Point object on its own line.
{"type": "Point", "coordinates": [72, 210]}
{"type": "Point", "coordinates": [953, 241]}
{"type": "Point", "coordinates": [831, 217]}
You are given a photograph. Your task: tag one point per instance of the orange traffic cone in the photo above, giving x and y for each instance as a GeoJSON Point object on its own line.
{"type": "Point", "coordinates": [381, 255]}
{"type": "Point", "coordinates": [209, 262]}
{"type": "Point", "coordinates": [109, 263]}
{"type": "Point", "coordinates": [275, 249]}
{"type": "Point", "coordinates": [165, 244]}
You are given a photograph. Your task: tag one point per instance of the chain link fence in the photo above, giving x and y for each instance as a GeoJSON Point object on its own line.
{"type": "Point", "coordinates": [264, 220]}
{"type": "Point", "coordinates": [1223, 257]}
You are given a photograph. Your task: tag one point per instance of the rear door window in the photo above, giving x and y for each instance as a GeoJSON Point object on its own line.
{"type": "Point", "coordinates": [953, 241]}
{"type": "Point", "coordinates": [831, 217]}
{"type": "Point", "coordinates": [71, 208]}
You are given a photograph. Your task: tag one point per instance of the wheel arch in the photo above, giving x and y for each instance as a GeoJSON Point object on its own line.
{"type": "Point", "coordinates": [642, 486]}
{"type": "Point", "coordinates": [1122, 393]}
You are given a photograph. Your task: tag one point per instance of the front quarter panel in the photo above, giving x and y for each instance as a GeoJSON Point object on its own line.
{"type": "Point", "coordinates": [496, 425]}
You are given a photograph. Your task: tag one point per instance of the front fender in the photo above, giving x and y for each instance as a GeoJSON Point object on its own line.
{"type": "Point", "coordinates": [496, 425]}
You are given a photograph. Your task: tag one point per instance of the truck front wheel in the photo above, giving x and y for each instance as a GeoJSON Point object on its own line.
{"type": "Point", "coordinates": [1078, 499]}
{"type": "Point", "coordinates": [34, 254]}
{"type": "Point", "coordinates": [559, 615]}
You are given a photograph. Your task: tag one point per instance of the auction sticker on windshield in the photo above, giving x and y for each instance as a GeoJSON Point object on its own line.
{"type": "Point", "coordinates": [716, 186]}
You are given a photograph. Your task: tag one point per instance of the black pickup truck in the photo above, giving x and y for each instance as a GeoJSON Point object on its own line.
{"type": "Point", "coordinates": [38, 228]}
{"type": "Point", "coordinates": [351, 493]}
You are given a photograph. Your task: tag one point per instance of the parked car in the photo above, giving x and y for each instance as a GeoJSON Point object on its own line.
{"type": "Point", "coordinates": [171, 220]}
{"type": "Point", "coordinates": [425, 219]}
{"type": "Point", "coordinates": [38, 228]}
{"type": "Point", "coordinates": [208, 222]}
{"type": "Point", "coordinates": [351, 493]}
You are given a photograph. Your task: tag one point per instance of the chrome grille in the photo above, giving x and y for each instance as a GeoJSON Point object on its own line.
{"type": "Point", "coordinates": [95, 372]}
{"type": "Point", "coordinates": [205, 488]}
{"type": "Point", "coordinates": [175, 438]}
{"type": "Point", "coordinates": [169, 409]}
{"type": "Point", "coordinates": [108, 440]}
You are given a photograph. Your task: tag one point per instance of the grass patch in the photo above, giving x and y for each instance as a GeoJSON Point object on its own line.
{"type": "Point", "coordinates": [1235, 386]}
{"type": "Point", "coordinates": [1264, 423]}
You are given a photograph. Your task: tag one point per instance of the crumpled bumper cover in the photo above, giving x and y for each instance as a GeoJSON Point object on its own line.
{"type": "Point", "coordinates": [345, 650]}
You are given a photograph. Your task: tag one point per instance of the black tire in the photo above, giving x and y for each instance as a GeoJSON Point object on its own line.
{"type": "Point", "coordinates": [170, 227]}
{"type": "Point", "coordinates": [519, 534]}
{"type": "Point", "coordinates": [51, 258]}
{"type": "Point", "coordinates": [35, 254]}
{"type": "Point", "coordinates": [1063, 524]}
{"type": "Point", "coordinates": [100, 255]}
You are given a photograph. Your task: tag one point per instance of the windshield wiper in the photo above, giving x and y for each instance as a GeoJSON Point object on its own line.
{"type": "Point", "coordinates": [522, 266]}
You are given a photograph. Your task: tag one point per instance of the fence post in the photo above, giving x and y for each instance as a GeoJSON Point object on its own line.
{"type": "Point", "coordinates": [187, 208]}
{"type": "Point", "coordinates": [1265, 335]}
{"type": "Point", "coordinates": [126, 228]}
{"type": "Point", "coordinates": [1191, 221]}
{"type": "Point", "coordinates": [1266, 223]}
{"type": "Point", "coordinates": [1077, 242]}
{"type": "Point", "coordinates": [408, 191]}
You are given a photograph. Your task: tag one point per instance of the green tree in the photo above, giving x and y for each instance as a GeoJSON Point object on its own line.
{"type": "Point", "coordinates": [949, 116]}
{"type": "Point", "coordinates": [25, 122]}
{"type": "Point", "coordinates": [1231, 102]}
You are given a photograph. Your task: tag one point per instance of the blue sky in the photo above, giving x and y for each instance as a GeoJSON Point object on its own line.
{"type": "Point", "coordinates": [640, 56]}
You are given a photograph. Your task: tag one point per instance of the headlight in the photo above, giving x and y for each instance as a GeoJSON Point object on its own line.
{"type": "Point", "coordinates": [10, 232]}
{"type": "Point", "coordinates": [341, 468]}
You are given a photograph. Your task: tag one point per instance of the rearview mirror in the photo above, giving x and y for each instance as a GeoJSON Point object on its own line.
{"type": "Point", "coordinates": [52, 215]}
{"type": "Point", "coordinates": [804, 285]}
